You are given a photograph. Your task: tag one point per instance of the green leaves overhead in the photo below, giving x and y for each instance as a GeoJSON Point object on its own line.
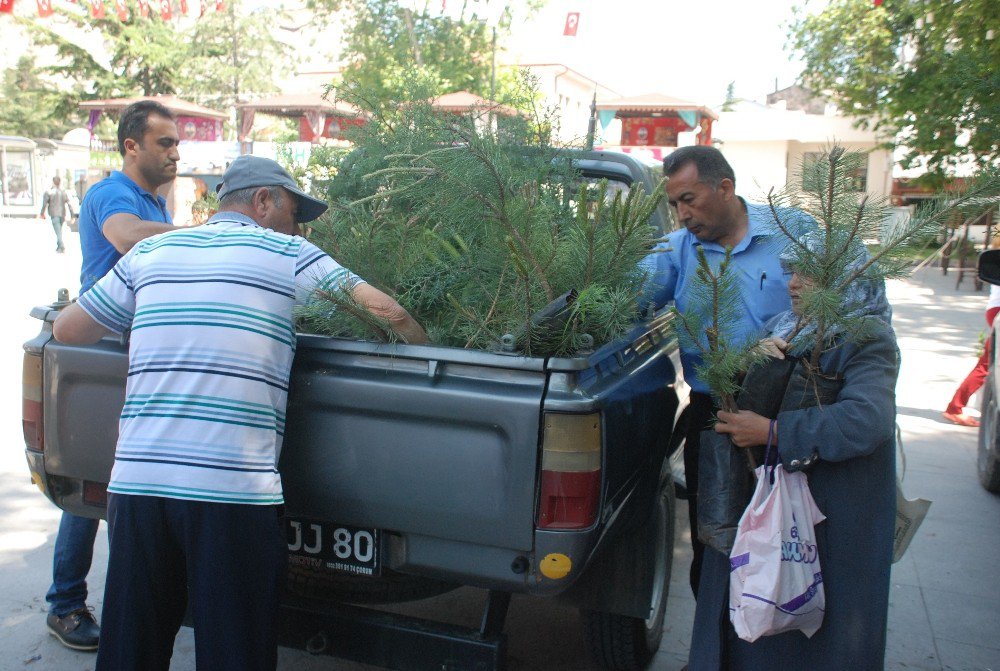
{"type": "Point", "coordinates": [925, 71]}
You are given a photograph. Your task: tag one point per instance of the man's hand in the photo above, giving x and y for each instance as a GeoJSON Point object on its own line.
{"type": "Point", "coordinates": [384, 306]}
{"type": "Point", "coordinates": [746, 428]}
{"type": "Point", "coordinates": [773, 347]}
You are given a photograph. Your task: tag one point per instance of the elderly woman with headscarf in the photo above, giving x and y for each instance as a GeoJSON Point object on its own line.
{"type": "Point", "coordinates": [837, 425]}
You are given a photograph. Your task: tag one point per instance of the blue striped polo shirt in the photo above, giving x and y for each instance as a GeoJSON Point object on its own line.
{"type": "Point", "coordinates": [211, 350]}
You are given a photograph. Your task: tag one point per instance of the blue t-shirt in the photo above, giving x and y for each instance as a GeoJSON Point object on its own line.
{"type": "Point", "coordinates": [762, 282]}
{"type": "Point", "coordinates": [116, 194]}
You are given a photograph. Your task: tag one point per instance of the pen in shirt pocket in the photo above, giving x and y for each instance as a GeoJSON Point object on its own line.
{"type": "Point", "coordinates": [763, 276]}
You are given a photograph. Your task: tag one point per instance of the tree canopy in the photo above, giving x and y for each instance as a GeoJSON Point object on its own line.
{"type": "Point", "coordinates": [219, 58]}
{"type": "Point", "coordinates": [925, 72]}
{"type": "Point", "coordinates": [31, 104]}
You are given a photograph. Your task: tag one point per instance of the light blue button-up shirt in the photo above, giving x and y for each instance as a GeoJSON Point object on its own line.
{"type": "Point", "coordinates": [761, 280]}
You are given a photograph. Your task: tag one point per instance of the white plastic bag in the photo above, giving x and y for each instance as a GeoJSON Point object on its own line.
{"type": "Point", "coordinates": [775, 581]}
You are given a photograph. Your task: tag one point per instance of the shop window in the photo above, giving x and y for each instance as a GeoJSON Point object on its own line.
{"type": "Point", "coordinates": [18, 180]}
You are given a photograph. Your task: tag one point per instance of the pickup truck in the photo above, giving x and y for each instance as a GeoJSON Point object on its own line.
{"type": "Point", "coordinates": [410, 470]}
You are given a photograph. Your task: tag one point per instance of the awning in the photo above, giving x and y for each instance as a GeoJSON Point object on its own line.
{"type": "Point", "coordinates": [173, 103]}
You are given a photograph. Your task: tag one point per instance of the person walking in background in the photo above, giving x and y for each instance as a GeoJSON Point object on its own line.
{"type": "Point", "coordinates": [56, 203]}
{"type": "Point", "coordinates": [955, 412]}
{"type": "Point", "coordinates": [194, 500]}
{"type": "Point", "coordinates": [116, 213]}
{"type": "Point", "coordinates": [701, 186]}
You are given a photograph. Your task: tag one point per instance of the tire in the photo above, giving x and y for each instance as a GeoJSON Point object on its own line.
{"type": "Point", "coordinates": [987, 461]}
{"type": "Point", "coordinates": [622, 643]}
{"type": "Point", "coordinates": [391, 587]}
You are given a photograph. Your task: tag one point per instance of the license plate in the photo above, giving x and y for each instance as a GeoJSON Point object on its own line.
{"type": "Point", "coordinates": [335, 546]}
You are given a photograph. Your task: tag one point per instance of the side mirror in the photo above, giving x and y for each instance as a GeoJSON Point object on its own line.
{"type": "Point", "coordinates": [989, 266]}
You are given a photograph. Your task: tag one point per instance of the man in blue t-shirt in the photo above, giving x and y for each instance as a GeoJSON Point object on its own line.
{"type": "Point", "coordinates": [701, 186]}
{"type": "Point", "coordinates": [116, 213]}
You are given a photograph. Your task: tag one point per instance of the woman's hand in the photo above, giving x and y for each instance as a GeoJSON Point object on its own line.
{"type": "Point", "coordinates": [746, 428]}
{"type": "Point", "coordinates": [773, 347]}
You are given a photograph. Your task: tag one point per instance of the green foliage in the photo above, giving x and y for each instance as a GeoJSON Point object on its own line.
{"type": "Point", "coordinates": [145, 56]}
{"type": "Point", "coordinates": [857, 244]}
{"type": "Point", "coordinates": [232, 53]}
{"type": "Point", "coordinates": [387, 42]}
{"type": "Point", "coordinates": [853, 243]}
{"type": "Point", "coordinates": [475, 229]}
{"type": "Point", "coordinates": [223, 56]}
{"type": "Point", "coordinates": [924, 71]}
{"type": "Point", "coordinates": [31, 104]}
{"type": "Point", "coordinates": [715, 305]}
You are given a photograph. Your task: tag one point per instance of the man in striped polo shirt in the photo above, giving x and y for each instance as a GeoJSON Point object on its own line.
{"type": "Point", "coordinates": [192, 506]}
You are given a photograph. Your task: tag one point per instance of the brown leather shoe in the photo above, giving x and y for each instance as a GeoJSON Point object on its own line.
{"type": "Point", "coordinates": [77, 630]}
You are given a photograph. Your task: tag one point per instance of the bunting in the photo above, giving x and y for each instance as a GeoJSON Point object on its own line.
{"type": "Point", "coordinates": [98, 10]}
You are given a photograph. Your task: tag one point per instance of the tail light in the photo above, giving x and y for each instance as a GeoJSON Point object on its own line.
{"type": "Point", "coordinates": [31, 402]}
{"type": "Point", "coordinates": [571, 471]}
{"type": "Point", "coordinates": [95, 493]}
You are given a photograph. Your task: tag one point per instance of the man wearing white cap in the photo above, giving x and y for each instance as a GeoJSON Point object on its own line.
{"type": "Point", "coordinates": [194, 493]}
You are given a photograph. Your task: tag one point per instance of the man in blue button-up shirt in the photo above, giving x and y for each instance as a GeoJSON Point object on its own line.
{"type": "Point", "coordinates": [701, 186]}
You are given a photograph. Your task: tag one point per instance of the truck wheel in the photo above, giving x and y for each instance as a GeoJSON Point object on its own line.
{"type": "Point", "coordinates": [622, 643]}
{"type": "Point", "coordinates": [987, 463]}
{"type": "Point", "coordinates": [390, 587]}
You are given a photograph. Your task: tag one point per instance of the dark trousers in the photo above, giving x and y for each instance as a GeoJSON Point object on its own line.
{"type": "Point", "coordinates": [228, 559]}
{"type": "Point", "coordinates": [701, 410]}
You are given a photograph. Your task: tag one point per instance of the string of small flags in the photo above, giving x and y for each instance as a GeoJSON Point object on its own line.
{"type": "Point", "coordinates": [122, 9]}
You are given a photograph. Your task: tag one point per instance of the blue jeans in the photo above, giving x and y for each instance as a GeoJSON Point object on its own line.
{"type": "Point", "coordinates": [57, 226]}
{"type": "Point", "coordinates": [70, 564]}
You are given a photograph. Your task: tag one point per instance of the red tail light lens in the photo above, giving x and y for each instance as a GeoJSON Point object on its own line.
{"type": "Point", "coordinates": [31, 402]}
{"type": "Point", "coordinates": [95, 493]}
{"type": "Point", "coordinates": [570, 491]}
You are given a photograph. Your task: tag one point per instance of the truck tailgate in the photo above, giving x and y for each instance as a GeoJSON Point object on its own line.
{"type": "Point", "coordinates": [86, 386]}
{"type": "Point", "coordinates": [439, 442]}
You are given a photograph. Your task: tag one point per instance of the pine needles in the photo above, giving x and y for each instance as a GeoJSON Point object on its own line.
{"type": "Point", "coordinates": [476, 225]}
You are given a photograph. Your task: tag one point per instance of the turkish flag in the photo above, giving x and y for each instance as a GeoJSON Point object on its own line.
{"type": "Point", "coordinates": [184, 7]}
{"type": "Point", "coordinates": [44, 8]}
{"type": "Point", "coordinates": [7, 6]}
{"type": "Point", "coordinates": [165, 10]}
{"type": "Point", "coordinates": [144, 8]}
{"type": "Point", "coordinates": [97, 9]}
{"type": "Point", "coordinates": [220, 6]}
{"type": "Point", "coordinates": [122, 10]}
{"type": "Point", "coordinates": [572, 22]}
